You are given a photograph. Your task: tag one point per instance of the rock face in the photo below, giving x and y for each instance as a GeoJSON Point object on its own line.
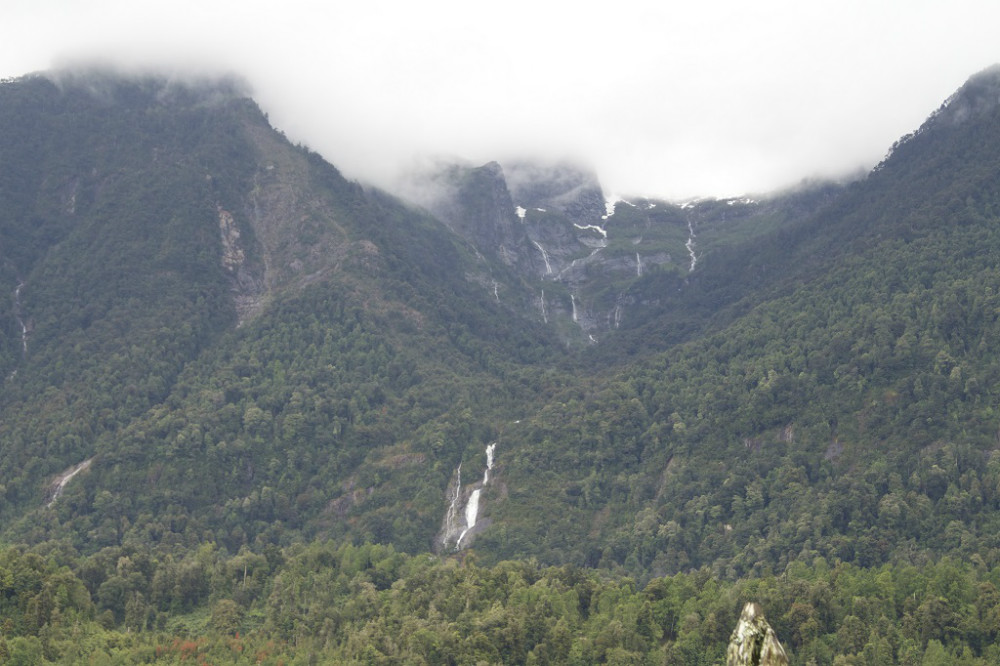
{"type": "Point", "coordinates": [562, 187]}
{"type": "Point", "coordinates": [550, 241]}
{"type": "Point", "coordinates": [476, 204]}
{"type": "Point", "coordinates": [753, 642]}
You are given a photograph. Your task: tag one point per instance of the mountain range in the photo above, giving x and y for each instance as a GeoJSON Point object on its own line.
{"type": "Point", "coordinates": [213, 337]}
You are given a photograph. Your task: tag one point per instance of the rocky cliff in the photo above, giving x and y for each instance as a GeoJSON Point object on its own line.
{"type": "Point", "coordinates": [574, 256]}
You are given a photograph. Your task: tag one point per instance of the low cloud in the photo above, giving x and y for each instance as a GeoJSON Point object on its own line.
{"type": "Point", "coordinates": [718, 99]}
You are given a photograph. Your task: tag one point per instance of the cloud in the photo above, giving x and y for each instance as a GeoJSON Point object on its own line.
{"type": "Point", "coordinates": [719, 97]}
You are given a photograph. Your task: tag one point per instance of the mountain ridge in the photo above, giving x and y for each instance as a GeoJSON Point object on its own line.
{"type": "Point", "coordinates": [289, 248]}
{"type": "Point", "coordinates": [251, 407]}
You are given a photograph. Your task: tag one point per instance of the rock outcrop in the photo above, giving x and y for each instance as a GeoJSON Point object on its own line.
{"type": "Point", "coordinates": [753, 642]}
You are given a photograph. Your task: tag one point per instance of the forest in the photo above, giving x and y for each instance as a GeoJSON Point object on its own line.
{"type": "Point", "coordinates": [281, 381]}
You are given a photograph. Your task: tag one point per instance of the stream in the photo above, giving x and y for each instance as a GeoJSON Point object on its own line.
{"type": "Point", "coordinates": [60, 483]}
{"type": "Point", "coordinates": [690, 246]}
{"type": "Point", "coordinates": [459, 520]}
{"type": "Point", "coordinates": [20, 319]}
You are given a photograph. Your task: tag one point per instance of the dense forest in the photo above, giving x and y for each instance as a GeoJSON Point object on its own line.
{"type": "Point", "coordinates": [253, 412]}
{"type": "Point", "coordinates": [329, 603]}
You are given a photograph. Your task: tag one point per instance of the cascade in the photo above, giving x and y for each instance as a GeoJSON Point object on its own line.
{"type": "Point", "coordinates": [65, 478]}
{"type": "Point", "coordinates": [449, 519]}
{"type": "Point", "coordinates": [20, 320]}
{"type": "Point", "coordinates": [471, 512]}
{"type": "Point", "coordinates": [572, 300]}
{"type": "Point", "coordinates": [592, 227]}
{"type": "Point", "coordinates": [616, 314]}
{"type": "Point", "coordinates": [690, 246]}
{"type": "Point", "coordinates": [472, 506]}
{"type": "Point", "coordinates": [490, 450]}
{"type": "Point", "coordinates": [545, 256]}
{"type": "Point", "coordinates": [638, 265]}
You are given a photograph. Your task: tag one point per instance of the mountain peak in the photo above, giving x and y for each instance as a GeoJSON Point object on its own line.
{"type": "Point", "coordinates": [111, 85]}
{"type": "Point", "coordinates": [979, 96]}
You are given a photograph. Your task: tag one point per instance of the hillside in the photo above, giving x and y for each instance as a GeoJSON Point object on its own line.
{"type": "Point", "coordinates": [228, 371]}
{"type": "Point", "coordinates": [839, 400]}
{"type": "Point", "coordinates": [203, 316]}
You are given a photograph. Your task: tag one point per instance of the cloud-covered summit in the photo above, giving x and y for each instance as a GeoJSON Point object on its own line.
{"type": "Point", "coordinates": [708, 99]}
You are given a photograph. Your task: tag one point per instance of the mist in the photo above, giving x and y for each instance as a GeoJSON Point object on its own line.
{"type": "Point", "coordinates": [714, 99]}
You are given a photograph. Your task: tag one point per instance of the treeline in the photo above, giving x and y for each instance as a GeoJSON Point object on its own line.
{"type": "Point", "coordinates": [330, 603]}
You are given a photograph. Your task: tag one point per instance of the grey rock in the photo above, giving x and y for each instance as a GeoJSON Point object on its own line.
{"type": "Point", "coordinates": [753, 642]}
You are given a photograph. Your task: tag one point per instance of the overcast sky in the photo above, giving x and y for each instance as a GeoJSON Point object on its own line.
{"type": "Point", "coordinates": [675, 99]}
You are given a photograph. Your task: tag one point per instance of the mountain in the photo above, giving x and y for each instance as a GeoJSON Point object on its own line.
{"type": "Point", "coordinates": [576, 258]}
{"type": "Point", "coordinates": [194, 287]}
{"type": "Point", "coordinates": [227, 371]}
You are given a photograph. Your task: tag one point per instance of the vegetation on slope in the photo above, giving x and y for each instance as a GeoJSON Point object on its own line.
{"type": "Point", "coordinates": [809, 419]}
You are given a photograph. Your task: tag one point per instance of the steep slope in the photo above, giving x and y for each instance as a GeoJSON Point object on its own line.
{"type": "Point", "coordinates": [576, 261]}
{"type": "Point", "coordinates": [191, 286]}
{"type": "Point", "coordinates": [938, 176]}
{"type": "Point", "coordinates": [325, 361]}
{"type": "Point", "coordinates": [841, 404]}
{"type": "Point", "coordinates": [223, 363]}
{"type": "Point", "coordinates": [109, 231]}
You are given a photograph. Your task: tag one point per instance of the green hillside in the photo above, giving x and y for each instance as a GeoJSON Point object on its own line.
{"type": "Point", "coordinates": [134, 357]}
{"type": "Point", "coordinates": [267, 369]}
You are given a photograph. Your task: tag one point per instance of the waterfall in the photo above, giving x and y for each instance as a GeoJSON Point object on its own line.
{"type": "Point", "coordinates": [490, 450]}
{"type": "Point", "coordinates": [638, 265]}
{"type": "Point", "coordinates": [690, 246]}
{"type": "Point", "coordinates": [592, 227]}
{"type": "Point", "coordinates": [545, 315]}
{"type": "Point", "coordinates": [449, 518]}
{"type": "Point", "coordinates": [471, 512]}
{"type": "Point", "coordinates": [545, 256]}
{"type": "Point", "coordinates": [572, 300]}
{"type": "Point", "coordinates": [20, 319]}
{"type": "Point", "coordinates": [60, 484]}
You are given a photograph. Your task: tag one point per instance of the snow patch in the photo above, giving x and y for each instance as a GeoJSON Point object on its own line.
{"type": "Point", "coordinates": [609, 207]}
{"type": "Point", "coordinates": [594, 227]}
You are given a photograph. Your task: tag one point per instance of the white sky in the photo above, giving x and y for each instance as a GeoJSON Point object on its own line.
{"type": "Point", "coordinates": [667, 98]}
